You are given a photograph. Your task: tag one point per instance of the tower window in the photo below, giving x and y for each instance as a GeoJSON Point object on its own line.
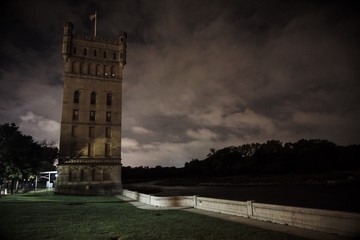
{"type": "Point", "coordinates": [74, 67]}
{"type": "Point", "coordinates": [90, 150]}
{"type": "Point", "coordinates": [121, 55]}
{"type": "Point", "coordinates": [74, 50]}
{"type": "Point", "coordinates": [82, 68]}
{"type": "Point", "coordinates": [107, 150]}
{"type": "Point", "coordinates": [74, 131]}
{"type": "Point", "coordinates": [85, 51]}
{"type": "Point", "coordinates": [108, 99]}
{"type": "Point", "coordinates": [70, 175]}
{"type": "Point", "coordinates": [112, 71]}
{"type": "Point", "coordinates": [73, 149]}
{"type": "Point", "coordinates": [91, 132]}
{"type": "Point", "coordinates": [114, 55]}
{"type": "Point", "coordinates": [108, 116]}
{"type": "Point", "coordinates": [95, 53]}
{"type": "Point", "coordinates": [90, 69]}
{"type": "Point", "coordinates": [75, 115]}
{"type": "Point", "coordinates": [104, 54]}
{"type": "Point", "coordinates": [76, 97]}
{"type": "Point", "coordinates": [93, 98]}
{"type": "Point", "coordinates": [108, 132]}
{"type": "Point", "coordinates": [98, 69]}
{"type": "Point", "coordinates": [93, 174]}
{"type": "Point", "coordinates": [92, 115]}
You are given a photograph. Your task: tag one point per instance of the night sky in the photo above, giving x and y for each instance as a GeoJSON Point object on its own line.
{"type": "Point", "coordinates": [199, 74]}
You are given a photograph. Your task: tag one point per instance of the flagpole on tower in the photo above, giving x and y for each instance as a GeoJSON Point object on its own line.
{"type": "Point", "coordinates": [92, 18]}
{"type": "Point", "coordinates": [95, 24]}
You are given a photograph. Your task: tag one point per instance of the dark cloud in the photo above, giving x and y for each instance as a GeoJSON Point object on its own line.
{"type": "Point", "coordinates": [200, 75]}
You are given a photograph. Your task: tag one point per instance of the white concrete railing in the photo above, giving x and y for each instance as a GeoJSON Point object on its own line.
{"type": "Point", "coordinates": [342, 223]}
{"type": "Point", "coordinates": [176, 201]}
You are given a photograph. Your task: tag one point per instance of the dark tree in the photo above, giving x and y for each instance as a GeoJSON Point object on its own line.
{"type": "Point", "coordinates": [20, 156]}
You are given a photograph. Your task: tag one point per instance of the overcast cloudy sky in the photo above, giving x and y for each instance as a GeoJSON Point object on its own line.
{"type": "Point", "coordinates": [199, 74]}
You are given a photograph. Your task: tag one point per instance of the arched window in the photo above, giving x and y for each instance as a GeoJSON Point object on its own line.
{"type": "Point", "coordinates": [82, 68]}
{"type": "Point", "coordinates": [108, 99]}
{"type": "Point", "coordinates": [98, 69]}
{"type": "Point", "coordinates": [71, 175]}
{"type": "Point", "coordinates": [74, 67]}
{"type": "Point", "coordinates": [95, 53]}
{"type": "Point", "coordinates": [85, 51]}
{"type": "Point", "coordinates": [90, 150]}
{"type": "Point", "coordinates": [107, 154]}
{"type": "Point", "coordinates": [106, 70]}
{"type": "Point", "coordinates": [108, 116]}
{"type": "Point", "coordinates": [74, 50]}
{"type": "Point", "coordinates": [104, 54]}
{"type": "Point", "coordinates": [75, 114]}
{"type": "Point", "coordinates": [90, 69]}
{"type": "Point", "coordinates": [73, 149]}
{"type": "Point", "coordinates": [93, 174]}
{"type": "Point", "coordinates": [93, 98]}
{"type": "Point", "coordinates": [113, 71]}
{"type": "Point", "coordinates": [76, 96]}
{"type": "Point", "coordinates": [106, 171]}
{"type": "Point", "coordinates": [82, 175]}
{"type": "Point", "coordinates": [114, 55]}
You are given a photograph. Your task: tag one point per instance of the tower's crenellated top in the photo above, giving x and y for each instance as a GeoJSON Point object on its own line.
{"type": "Point", "coordinates": [68, 27]}
{"type": "Point", "coordinates": [122, 45]}
{"type": "Point", "coordinates": [93, 56]}
{"type": "Point", "coordinates": [66, 46]}
{"type": "Point", "coordinates": [73, 42]}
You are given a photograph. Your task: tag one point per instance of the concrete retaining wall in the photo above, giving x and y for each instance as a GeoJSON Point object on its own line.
{"type": "Point", "coordinates": [342, 223]}
{"type": "Point", "coordinates": [223, 206]}
{"type": "Point", "coordinates": [176, 201]}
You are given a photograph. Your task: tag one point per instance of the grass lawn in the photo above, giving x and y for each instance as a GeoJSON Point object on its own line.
{"type": "Point", "coordinates": [48, 216]}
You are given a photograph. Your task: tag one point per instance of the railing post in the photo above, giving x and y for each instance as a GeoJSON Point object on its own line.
{"type": "Point", "coordinates": [250, 210]}
{"type": "Point", "coordinates": [195, 201]}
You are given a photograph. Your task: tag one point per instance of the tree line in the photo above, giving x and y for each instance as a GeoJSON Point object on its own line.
{"type": "Point", "coordinates": [22, 158]}
{"type": "Point", "coordinates": [271, 157]}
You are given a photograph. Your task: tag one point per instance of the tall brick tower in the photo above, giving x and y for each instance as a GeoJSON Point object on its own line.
{"type": "Point", "coordinates": [90, 139]}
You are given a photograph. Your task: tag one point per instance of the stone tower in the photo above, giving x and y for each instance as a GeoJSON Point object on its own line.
{"type": "Point", "coordinates": [90, 138]}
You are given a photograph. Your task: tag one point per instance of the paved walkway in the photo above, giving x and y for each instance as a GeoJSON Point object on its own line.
{"type": "Point", "coordinates": [300, 232]}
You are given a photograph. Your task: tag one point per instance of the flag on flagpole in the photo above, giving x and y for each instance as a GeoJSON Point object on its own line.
{"type": "Point", "coordinates": [92, 16]}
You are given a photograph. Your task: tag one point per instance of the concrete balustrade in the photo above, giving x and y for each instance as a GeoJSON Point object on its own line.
{"type": "Point", "coordinates": [223, 206]}
{"type": "Point", "coordinates": [341, 223]}
{"type": "Point", "coordinates": [176, 201]}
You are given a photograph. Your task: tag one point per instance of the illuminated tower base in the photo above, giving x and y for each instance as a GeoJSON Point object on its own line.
{"type": "Point", "coordinates": [89, 178]}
